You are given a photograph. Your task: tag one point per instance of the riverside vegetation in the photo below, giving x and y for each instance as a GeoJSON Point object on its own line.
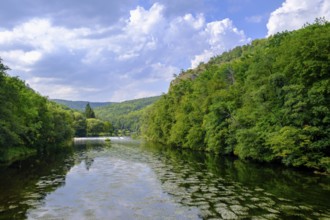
{"type": "Point", "coordinates": [29, 123]}
{"type": "Point", "coordinates": [267, 101]}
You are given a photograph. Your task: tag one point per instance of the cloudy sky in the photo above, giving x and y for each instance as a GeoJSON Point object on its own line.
{"type": "Point", "coordinates": [115, 50]}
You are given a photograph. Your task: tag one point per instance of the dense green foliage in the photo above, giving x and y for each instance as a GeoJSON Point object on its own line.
{"type": "Point", "coordinates": [90, 127]}
{"type": "Point", "coordinates": [125, 116]}
{"type": "Point", "coordinates": [80, 105]}
{"type": "Point", "coordinates": [85, 124]}
{"type": "Point", "coordinates": [89, 112]}
{"type": "Point", "coordinates": [119, 119]}
{"type": "Point", "coordinates": [97, 127]}
{"type": "Point", "coordinates": [267, 101]}
{"type": "Point", "coordinates": [29, 123]}
{"type": "Point", "coordinates": [79, 124]}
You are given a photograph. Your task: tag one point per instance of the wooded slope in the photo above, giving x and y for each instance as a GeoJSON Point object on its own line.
{"type": "Point", "coordinates": [29, 123]}
{"type": "Point", "coordinates": [268, 101]}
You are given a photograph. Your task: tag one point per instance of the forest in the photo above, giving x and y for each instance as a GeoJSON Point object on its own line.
{"type": "Point", "coordinates": [29, 122]}
{"type": "Point", "coordinates": [107, 118]}
{"type": "Point", "coordinates": [86, 124]}
{"type": "Point", "coordinates": [268, 101]}
{"type": "Point", "coordinates": [126, 116]}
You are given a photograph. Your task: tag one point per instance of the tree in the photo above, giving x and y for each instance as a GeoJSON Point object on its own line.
{"type": "Point", "coordinates": [266, 101]}
{"type": "Point", "coordinates": [80, 124]}
{"type": "Point", "coordinates": [89, 113]}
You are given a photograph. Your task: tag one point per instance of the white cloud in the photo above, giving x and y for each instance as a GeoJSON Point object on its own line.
{"type": "Point", "coordinates": [51, 88]}
{"type": "Point", "coordinates": [222, 36]}
{"type": "Point", "coordinates": [21, 60]}
{"type": "Point", "coordinates": [197, 22]}
{"type": "Point", "coordinates": [42, 35]}
{"type": "Point", "coordinates": [143, 21]}
{"type": "Point", "coordinates": [162, 72]}
{"type": "Point", "coordinates": [36, 80]}
{"type": "Point", "coordinates": [293, 14]}
{"type": "Point", "coordinates": [201, 58]}
{"type": "Point", "coordinates": [136, 56]}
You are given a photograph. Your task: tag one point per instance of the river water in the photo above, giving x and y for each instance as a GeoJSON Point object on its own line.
{"type": "Point", "coordinates": [127, 179]}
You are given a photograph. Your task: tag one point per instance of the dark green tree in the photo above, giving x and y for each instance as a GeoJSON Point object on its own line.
{"type": "Point", "coordinates": [80, 124]}
{"type": "Point", "coordinates": [89, 113]}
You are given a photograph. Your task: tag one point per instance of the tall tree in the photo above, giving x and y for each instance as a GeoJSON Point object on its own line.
{"type": "Point", "coordinates": [89, 113]}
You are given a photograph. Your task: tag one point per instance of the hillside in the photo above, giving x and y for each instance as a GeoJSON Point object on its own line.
{"type": "Point", "coordinates": [125, 115]}
{"type": "Point", "coordinates": [80, 105]}
{"type": "Point", "coordinates": [267, 101]}
{"type": "Point", "coordinates": [29, 122]}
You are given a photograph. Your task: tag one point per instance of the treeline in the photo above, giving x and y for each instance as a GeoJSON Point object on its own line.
{"type": "Point", "coordinates": [125, 117]}
{"type": "Point", "coordinates": [87, 125]}
{"type": "Point", "coordinates": [80, 105]}
{"type": "Point", "coordinates": [29, 123]}
{"type": "Point", "coordinates": [267, 101]}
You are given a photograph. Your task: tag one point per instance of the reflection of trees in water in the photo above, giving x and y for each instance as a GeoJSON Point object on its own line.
{"type": "Point", "coordinates": [31, 179]}
{"type": "Point", "coordinates": [88, 162]}
{"type": "Point", "coordinates": [84, 147]}
{"type": "Point", "coordinates": [275, 179]}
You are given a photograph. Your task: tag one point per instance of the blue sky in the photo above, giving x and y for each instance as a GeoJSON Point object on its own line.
{"type": "Point", "coordinates": [101, 50]}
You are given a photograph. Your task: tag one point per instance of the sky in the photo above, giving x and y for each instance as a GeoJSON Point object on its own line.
{"type": "Point", "coordinates": [116, 50]}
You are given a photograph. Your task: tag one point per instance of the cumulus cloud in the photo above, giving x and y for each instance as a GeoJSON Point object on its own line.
{"type": "Point", "coordinates": [221, 36]}
{"type": "Point", "coordinates": [293, 14]}
{"type": "Point", "coordinates": [21, 60]}
{"type": "Point", "coordinates": [132, 58]}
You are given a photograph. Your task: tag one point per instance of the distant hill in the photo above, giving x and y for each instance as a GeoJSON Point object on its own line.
{"type": "Point", "coordinates": [80, 105]}
{"type": "Point", "coordinates": [125, 115]}
{"type": "Point", "coordinates": [126, 106]}
{"type": "Point", "coordinates": [122, 115]}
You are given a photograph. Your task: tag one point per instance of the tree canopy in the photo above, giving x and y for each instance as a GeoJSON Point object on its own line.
{"type": "Point", "coordinates": [267, 101]}
{"type": "Point", "coordinates": [29, 123]}
{"type": "Point", "coordinates": [125, 116]}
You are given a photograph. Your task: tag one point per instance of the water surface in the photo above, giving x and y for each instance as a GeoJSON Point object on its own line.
{"type": "Point", "coordinates": [127, 179]}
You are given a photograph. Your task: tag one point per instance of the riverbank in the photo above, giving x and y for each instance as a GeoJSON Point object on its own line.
{"type": "Point", "coordinates": [15, 154]}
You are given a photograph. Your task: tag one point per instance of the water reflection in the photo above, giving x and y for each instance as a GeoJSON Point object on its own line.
{"type": "Point", "coordinates": [25, 183]}
{"type": "Point", "coordinates": [124, 179]}
{"type": "Point", "coordinates": [230, 188]}
{"type": "Point", "coordinates": [110, 182]}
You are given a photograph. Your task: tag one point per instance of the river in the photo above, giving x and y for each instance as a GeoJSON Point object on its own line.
{"type": "Point", "coordinates": [128, 179]}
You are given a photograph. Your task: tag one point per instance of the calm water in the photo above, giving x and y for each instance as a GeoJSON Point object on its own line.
{"type": "Point", "coordinates": [131, 180]}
